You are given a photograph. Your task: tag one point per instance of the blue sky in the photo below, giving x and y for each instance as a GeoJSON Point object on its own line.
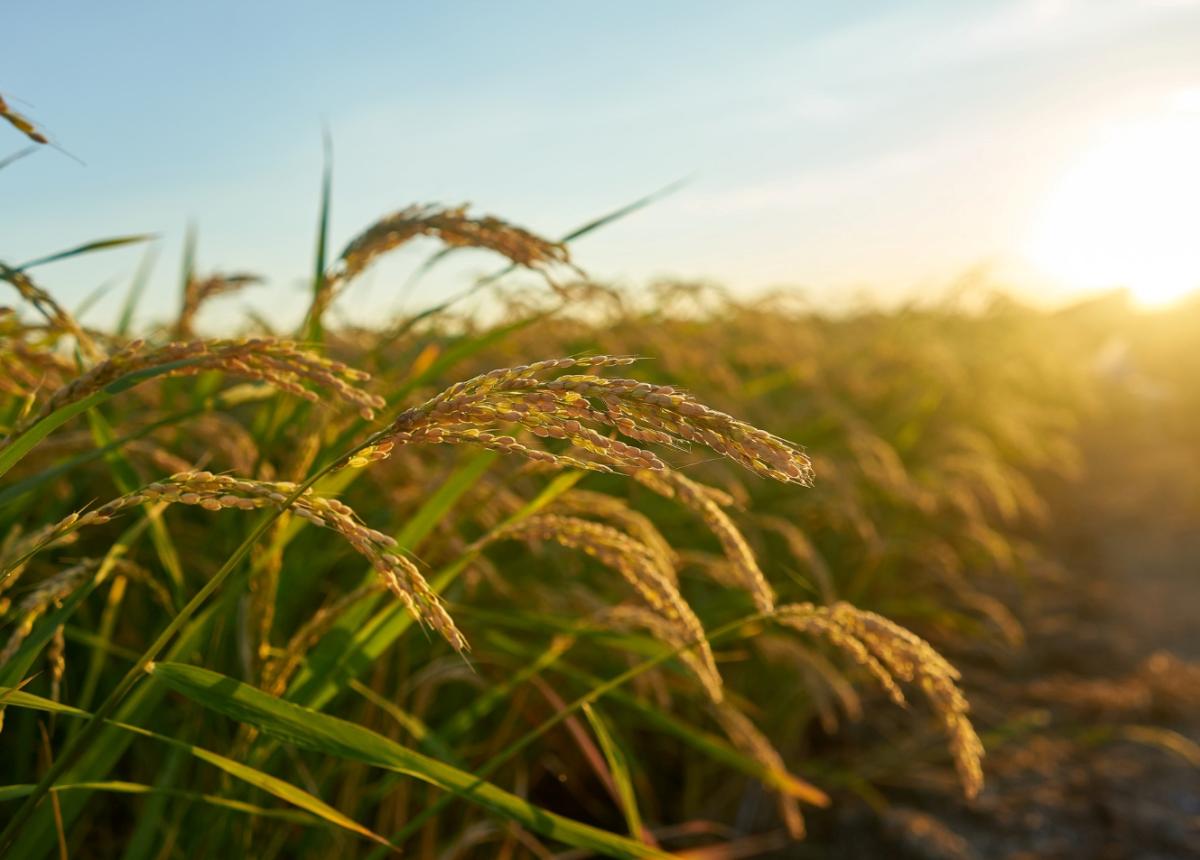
{"type": "Point", "coordinates": [847, 148]}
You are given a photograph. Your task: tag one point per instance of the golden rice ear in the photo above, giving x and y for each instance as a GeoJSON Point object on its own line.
{"type": "Point", "coordinates": [569, 407]}
{"type": "Point", "coordinates": [615, 511]}
{"type": "Point", "coordinates": [913, 659]}
{"type": "Point", "coordinates": [456, 229]}
{"type": "Point", "coordinates": [279, 363]}
{"type": "Point", "coordinates": [631, 559]}
{"type": "Point", "coordinates": [199, 290]}
{"type": "Point", "coordinates": [219, 492]}
{"type": "Point", "coordinates": [22, 124]}
{"type": "Point", "coordinates": [47, 592]}
{"type": "Point", "coordinates": [672, 484]}
{"type": "Point", "coordinates": [891, 653]}
{"type": "Point", "coordinates": [59, 319]}
{"type": "Point", "coordinates": [747, 737]}
{"type": "Point", "coordinates": [28, 363]}
{"type": "Point", "coordinates": [627, 617]}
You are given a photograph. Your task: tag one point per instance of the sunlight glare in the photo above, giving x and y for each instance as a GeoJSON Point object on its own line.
{"type": "Point", "coordinates": [1128, 213]}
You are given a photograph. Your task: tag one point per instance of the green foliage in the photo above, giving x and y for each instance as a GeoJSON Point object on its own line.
{"type": "Point", "coordinates": [262, 694]}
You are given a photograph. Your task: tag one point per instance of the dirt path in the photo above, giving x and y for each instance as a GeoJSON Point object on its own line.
{"type": "Point", "coordinates": [1110, 681]}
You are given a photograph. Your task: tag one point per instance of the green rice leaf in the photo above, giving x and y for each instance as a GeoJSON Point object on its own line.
{"type": "Point", "coordinates": [251, 776]}
{"type": "Point", "coordinates": [322, 733]}
{"type": "Point", "coordinates": [89, 247]}
{"type": "Point", "coordinates": [618, 765]}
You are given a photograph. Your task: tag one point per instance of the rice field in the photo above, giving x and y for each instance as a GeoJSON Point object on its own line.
{"type": "Point", "coordinates": [605, 573]}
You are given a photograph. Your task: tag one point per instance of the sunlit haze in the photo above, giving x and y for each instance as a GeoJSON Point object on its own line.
{"type": "Point", "coordinates": [854, 150]}
{"type": "Point", "coordinates": [1127, 212]}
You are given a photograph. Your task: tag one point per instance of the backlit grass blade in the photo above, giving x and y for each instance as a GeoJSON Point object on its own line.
{"type": "Point", "coordinates": [10, 792]}
{"type": "Point", "coordinates": [89, 301]}
{"type": "Point", "coordinates": [136, 288]}
{"type": "Point", "coordinates": [89, 247]}
{"type": "Point", "coordinates": [251, 776]}
{"type": "Point", "coordinates": [618, 765]}
{"type": "Point", "coordinates": [325, 734]}
{"type": "Point", "coordinates": [312, 326]}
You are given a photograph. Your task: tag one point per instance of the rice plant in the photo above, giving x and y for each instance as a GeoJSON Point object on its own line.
{"type": "Point", "coordinates": [631, 573]}
{"type": "Point", "coordinates": [220, 554]}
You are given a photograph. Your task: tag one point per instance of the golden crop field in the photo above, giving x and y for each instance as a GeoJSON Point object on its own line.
{"type": "Point", "coordinates": [640, 572]}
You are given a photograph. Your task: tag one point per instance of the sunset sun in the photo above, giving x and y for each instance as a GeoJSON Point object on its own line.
{"type": "Point", "coordinates": [1127, 213]}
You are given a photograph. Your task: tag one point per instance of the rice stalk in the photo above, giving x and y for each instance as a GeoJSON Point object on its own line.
{"type": "Point", "coordinates": [219, 492]}
{"type": "Point", "coordinates": [891, 654]}
{"type": "Point", "coordinates": [619, 514]}
{"type": "Point", "coordinates": [199, 290]}
{"type": "Point", "coordinates": [58, 318]}
{"type": "Point", "coordinates": [22, 123]}
{"type": "Point", "coordinates": [35, 604]}
{"type": "Point", "coordinates": [562, 407]}
{"type": "Point", "coordinates": [742, 563]}
{"type": "Point", "coordinates": [278, 363]}
{"type": "Point", "coordinates": [749, 739]}
{"type": "Point", "coordinates": [636, 564]}
{"type": "Point", "coordinates": [453, 227]}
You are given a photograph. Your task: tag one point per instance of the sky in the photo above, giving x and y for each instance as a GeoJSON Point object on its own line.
{"type": "Point", "coordinates": [861, 150]}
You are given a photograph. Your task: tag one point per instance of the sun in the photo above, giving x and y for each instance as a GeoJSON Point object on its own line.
{"type": "Point", "coordinates": [1127, 214]}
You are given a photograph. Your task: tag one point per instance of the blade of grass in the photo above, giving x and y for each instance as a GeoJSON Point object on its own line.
{"type": "Point", "coordinates": [281, 789]}
{"type": "Point", "coordinates": [148, 834]}
{"type": "Point", "coordinates": [11, 792]}
{"type": "Point", "coordinates": [322, 733]}
{"type": "Point", "coordinates": [76, 745]}
{"type": "Point", "coordinates": [18, 155]}
{"type": "Point", "coordinates": [412, 724]}
{"type": "Point", "coordinates": [312, 325]}
{"type": "Point", "coordinates": [480, 706]}
{"type": "Point", "coordinates": [100, 757]}
{"type": "Point", "coordinates": [710, 745]}
{"type": "Point", "coordinates": [618, 766]}
{"type": "Point", "coordinates": [89, 301]}
{"type": "Point", "coordinates": [136, 287]}
{"type": "Point", "coordinates": [87, 248]}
